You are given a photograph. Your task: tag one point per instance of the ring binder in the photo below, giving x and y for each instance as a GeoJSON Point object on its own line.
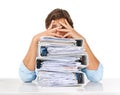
{"type": "Point", "coordinates": [38, 62]}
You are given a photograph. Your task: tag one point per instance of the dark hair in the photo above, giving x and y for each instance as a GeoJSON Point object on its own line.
{"type": "Point", "coordinates": [58, 14]}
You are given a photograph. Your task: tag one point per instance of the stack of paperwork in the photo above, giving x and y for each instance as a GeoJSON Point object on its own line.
{"type": "Point", "coordinates": [59, 61]}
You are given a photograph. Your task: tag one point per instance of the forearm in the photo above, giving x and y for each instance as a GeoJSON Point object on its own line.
{"type": "Point", "coordinates": [30, 58]}
{"type": "Point", "coordinates": [93, 62]}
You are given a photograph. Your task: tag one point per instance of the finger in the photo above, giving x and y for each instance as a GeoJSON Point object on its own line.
{"type": "Point", "coordinates": [56, 35]}
{"type": "Point", "coordinates": [50, 26]}
{"type": "Point", "coordinates": [54, 30]}
{"type": "Point", "coordinates": [67, 22]}
{"type": "Point", "coordinates": [63, 24]}
{"type": "Point", "coordinates": [66, 35]}
{"type": "Point", "coordinates": [63, 30]}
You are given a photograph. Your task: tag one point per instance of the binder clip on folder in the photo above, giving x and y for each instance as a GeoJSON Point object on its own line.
{"type": "Point", "coordinates": [59, 61]}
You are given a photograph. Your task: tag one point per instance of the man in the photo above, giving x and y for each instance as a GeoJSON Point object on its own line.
{"type": "Point", "coordinates": [59, 24]}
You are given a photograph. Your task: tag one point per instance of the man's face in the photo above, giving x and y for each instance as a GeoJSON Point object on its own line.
{"type": "Point", "coordinates": [57, 24]}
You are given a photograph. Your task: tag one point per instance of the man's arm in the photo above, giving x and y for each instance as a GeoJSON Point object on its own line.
{"type": "Point", "coordinates": [30, 59]}
{"type": "Point", "coordinates": [94, 70]}
{"type": "Point", "coordinates": [27, 68]}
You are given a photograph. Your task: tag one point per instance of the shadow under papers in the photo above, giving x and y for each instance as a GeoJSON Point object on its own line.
{"type": "Point", "coordinates": [28, 87]}
{"type": "Point", "coordinates": [90, 86]}
{"type": "Point", "coordinates": [93, 86]}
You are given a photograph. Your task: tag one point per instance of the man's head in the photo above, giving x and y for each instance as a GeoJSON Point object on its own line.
{"type": "Point", "coordinates": [56, 15]}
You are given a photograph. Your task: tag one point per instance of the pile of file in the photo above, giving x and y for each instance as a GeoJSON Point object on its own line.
{"type": "Point", "coordinates": [59, 61]}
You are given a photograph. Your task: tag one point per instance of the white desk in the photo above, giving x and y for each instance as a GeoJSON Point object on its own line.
{"type": "Point", "coordinates": [17, 87]}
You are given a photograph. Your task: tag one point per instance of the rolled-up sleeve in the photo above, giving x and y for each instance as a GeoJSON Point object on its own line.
{"type": "Point", "coordinates": [94, 75]}
{"type": "Point", "coordinates": [25, 74]}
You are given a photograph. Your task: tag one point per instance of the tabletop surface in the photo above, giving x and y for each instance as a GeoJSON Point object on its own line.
{"type": "Point", "coordinates": [17, 87]}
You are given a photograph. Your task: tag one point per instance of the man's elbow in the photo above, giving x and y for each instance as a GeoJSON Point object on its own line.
{"type": "Point", "coordinates": [95, 78]}
{"type": "Point", "coordinates": [27, 78]}
{"type": "Point", "coordinates": [95, 75]}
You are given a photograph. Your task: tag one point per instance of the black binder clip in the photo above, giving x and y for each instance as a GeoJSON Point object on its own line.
{"type": "Point", "coordinates": [79, 42]}
{"type": "Point", "coordinates": [83, 60]}
{"type": "Point", "coordinates": [43, 51]}
{"type": "Point", "coordinates": [80, 78]}
{"type": "Point", "coordinates": [38, 63]}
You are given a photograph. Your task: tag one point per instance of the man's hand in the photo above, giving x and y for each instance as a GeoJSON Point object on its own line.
{"type": "Point", "coordinates": [52, 31]}
{"type": "Point", "coordinates": [49, 32]}
{"type": "Point", "coordinates": [69, 31]}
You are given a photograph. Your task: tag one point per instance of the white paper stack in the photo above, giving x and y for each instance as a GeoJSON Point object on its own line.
{"type": "Point", "coordinates": [59, 61]}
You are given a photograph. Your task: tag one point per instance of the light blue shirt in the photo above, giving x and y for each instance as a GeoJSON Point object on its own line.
{"type": "Point", "coordinates": [92, 75]}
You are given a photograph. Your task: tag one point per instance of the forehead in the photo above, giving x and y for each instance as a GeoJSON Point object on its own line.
{"type": "Point", "coordinates": [59, 20]}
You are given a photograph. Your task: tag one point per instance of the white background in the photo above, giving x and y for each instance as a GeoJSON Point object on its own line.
{"type": "Point", "coordinates": [97, 20]}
